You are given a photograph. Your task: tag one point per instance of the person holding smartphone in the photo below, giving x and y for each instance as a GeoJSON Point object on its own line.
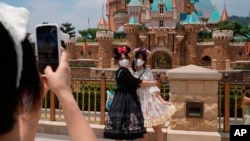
{"type": "Point", "coordinates": [23, 88]}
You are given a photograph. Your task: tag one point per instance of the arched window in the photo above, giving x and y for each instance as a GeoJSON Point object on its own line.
{"type": "Point", "coordinates": [206, 61]}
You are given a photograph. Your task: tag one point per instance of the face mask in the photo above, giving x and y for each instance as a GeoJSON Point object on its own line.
{"type": "Point", "coordinates": [139, 62]}
{"type": "Point", "coordinates": [123, 63]}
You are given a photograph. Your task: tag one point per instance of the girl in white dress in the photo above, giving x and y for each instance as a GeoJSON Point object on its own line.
{"type": "Point", "coordinates": [156, 111]}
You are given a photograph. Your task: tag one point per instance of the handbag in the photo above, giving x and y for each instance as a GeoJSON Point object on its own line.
{"type": "Point", "coordinates": [110, 96]}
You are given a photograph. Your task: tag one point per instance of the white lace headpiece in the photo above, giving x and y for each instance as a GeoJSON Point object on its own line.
{"type": "Point", "coordinates": [15, 20]}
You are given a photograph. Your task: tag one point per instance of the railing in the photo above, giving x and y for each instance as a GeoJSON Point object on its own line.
{"type": "Point", "coordinates": [91, 97]}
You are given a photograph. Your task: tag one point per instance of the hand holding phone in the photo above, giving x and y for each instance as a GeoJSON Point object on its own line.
{"type": "Point", "coordinates": [48, 46]}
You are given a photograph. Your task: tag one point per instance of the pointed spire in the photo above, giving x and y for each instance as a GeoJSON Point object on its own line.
{"type": "Point", "coordinates": [224, 15]}
{"type": "Point", "coordinates": [102, 24]}
{"type": "Point", "coordinates": [148, 7]}
{"type": "Point", "coordinates": [174, 3]}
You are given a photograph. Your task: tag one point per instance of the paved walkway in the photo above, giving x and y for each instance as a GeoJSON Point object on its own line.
{"type": "Point", "coordinates": [52, 137]}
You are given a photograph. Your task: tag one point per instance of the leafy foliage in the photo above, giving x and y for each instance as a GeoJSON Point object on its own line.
{"type": "Point", "coordinates": [90, 31]}
{"type": "Point", "coordinates": [243, 20]}
{"type": "Point", "coordinates": [67, 28]}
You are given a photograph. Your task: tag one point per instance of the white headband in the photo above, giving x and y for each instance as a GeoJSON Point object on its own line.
{"type": "Point", "coordinates": [15, 21]}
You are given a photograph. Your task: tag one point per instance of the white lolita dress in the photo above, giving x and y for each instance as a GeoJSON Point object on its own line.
{"type": "Point", "coordinates": [154, 111]}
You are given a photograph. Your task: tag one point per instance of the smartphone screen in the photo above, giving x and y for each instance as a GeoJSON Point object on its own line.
{"type": "Point", "coordinates": [47, 46]}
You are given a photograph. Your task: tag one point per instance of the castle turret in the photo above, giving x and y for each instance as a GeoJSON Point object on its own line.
{"type": "Point", "coordinates": [135, 9]}
{"type": "Point", "coordinates": [175, 14]}
{"type": "Point", "coordinates": [131, 30]}
{"type": "Point", "coordinates": [192, 26]}
{"type": "Point", "coordinates": [108, 13]}
{"type": "Point", "coordinates": [148, 16]}
{"type": "Point", "coordinates": [71, 49]}
{"type": "Point", "coordinates": [105, 38]}
{"type": "Point", "coordinates": [221, 46]}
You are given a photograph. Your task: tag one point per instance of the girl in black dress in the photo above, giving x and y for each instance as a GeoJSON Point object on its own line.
{"type": "Point", "coordinates": [124, 120]}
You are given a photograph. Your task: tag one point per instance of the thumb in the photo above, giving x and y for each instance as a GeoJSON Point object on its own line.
{"type": "Point", "coordinates": [48, 70]}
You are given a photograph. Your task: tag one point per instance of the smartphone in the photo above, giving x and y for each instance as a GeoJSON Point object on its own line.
{"type": "Point", "coordinates": [47, 46]}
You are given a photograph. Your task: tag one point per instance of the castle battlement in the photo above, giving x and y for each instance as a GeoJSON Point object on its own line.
{"type": "Point", "coordinates": [236, 43]}
{"type": "Point", "coordinates": [131, 28]}
{"type": "Point", "coordinates": [120, 18]}
{"type": "Point", "coordinates": [205, 43]}
{"type": "Point", "coordinates": [222, 35]}
{"type": "Point", "coordinates": [192, 28]}
{"type": "Point", "coordinates": [69, 43]}
{"type": "Point", "coordinates": [104, 35]}
{"type": "Point", "coordinates": [155, 29]}
{"type": "Point", "coordinates": [89, 43]}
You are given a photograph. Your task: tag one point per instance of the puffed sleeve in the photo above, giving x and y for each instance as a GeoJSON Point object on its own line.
{"type": "Point", "coordinates": [150, 74]}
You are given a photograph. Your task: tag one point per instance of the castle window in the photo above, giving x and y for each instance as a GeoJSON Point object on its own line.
{"type": "Point", "coordinates": [161, 23]}
{"type": "Point", "coordinates": [161, 9]}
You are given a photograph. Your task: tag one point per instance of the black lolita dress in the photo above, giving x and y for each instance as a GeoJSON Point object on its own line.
{"type": "Point", "coordinates": [124, 120]}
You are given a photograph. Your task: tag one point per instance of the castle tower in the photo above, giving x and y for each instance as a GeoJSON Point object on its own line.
{"type": "Point", "coordinates": [175, 13]}
{"type": "Point", "coordinates": [107, 13]}
{"type": "Point", "coordinates": [71, 50]}
{"type": "Point", "coordinates": [192, 26]}
{"type": "Point", "coordinates": [148, 16]}
{"type": "Point", "coordinates": [134, 9]}
{"type": "Point", "coordinates": [105, 38]}
{"type": "Point", "coordinates": [221, 47]}
{"type": "Point", "coordinates": [188, 6]}
{"type": "Point", "coordinates": [131, 30]}
{"type": "Point", "coordinates": [114, 7]}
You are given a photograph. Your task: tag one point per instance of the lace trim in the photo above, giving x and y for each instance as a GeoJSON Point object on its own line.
{"type": "Point", "coordinates": [162, 119]}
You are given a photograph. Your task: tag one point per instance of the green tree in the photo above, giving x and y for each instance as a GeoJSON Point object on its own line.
{"type": "Point", "coordinates": [227, 25]}
{"type": "Point", "coordinates": [67, 28]}
{"type": "Point", "coordinates": [89, 32]}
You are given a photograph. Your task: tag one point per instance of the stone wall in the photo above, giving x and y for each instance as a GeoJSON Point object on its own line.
{"type": "Point", "coordinates": [196, 84]}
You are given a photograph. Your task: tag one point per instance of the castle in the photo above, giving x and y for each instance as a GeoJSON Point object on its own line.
{"type": "Point", "coordinates": [168, 28]}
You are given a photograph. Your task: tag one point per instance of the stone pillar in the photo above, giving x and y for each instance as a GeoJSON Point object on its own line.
{"type": "Point", "coordinates": [228, 66]}
{"type": "Point", "coordinates": [214, 63]}
{"type": "Point", "coordinates": [194, 93]}
{"type": "Point", "coordinates": [100, 63]}
{"type": "Point", "coordinates": [112, 62]}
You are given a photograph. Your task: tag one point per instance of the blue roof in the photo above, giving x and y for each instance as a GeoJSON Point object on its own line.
{"type": "Point", "coordinates": [203, 6]}
{"type": "Point", "coordinates": [194, 1]}
{"type": "Point", "coordinates": [132, 20]}
{"type": "Point", "coordinates": [214, 17]}
{"type": "Point", "coordinates": [192, 19]}
{"type": "Point", "coordinates": [183, 16]}
{"type": "Point", "coordinates": [199, 13]}
{"type": "Point", "coordinates": [154, 5]}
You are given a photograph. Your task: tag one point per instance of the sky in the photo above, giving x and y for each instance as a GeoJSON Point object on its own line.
{"type": "Point", "coordinates": [77, 12]}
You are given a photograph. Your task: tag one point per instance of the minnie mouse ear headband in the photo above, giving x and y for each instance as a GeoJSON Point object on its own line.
{"type": "Point", "coordinates": [143, 50]}
{"type": "Point", "coordinates": [121, 50]}
{"type": "Point", "coordinates": [15, 21]}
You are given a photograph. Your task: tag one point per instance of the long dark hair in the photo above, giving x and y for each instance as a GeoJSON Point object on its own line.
{"type": "Point", "coordinates": [28, 96]}
{"type": "Point", "coordinates": [137, 55]}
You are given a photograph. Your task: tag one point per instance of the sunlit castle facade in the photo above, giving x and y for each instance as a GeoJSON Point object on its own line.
{"type": "Point", "coordinates": [170, 30]}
